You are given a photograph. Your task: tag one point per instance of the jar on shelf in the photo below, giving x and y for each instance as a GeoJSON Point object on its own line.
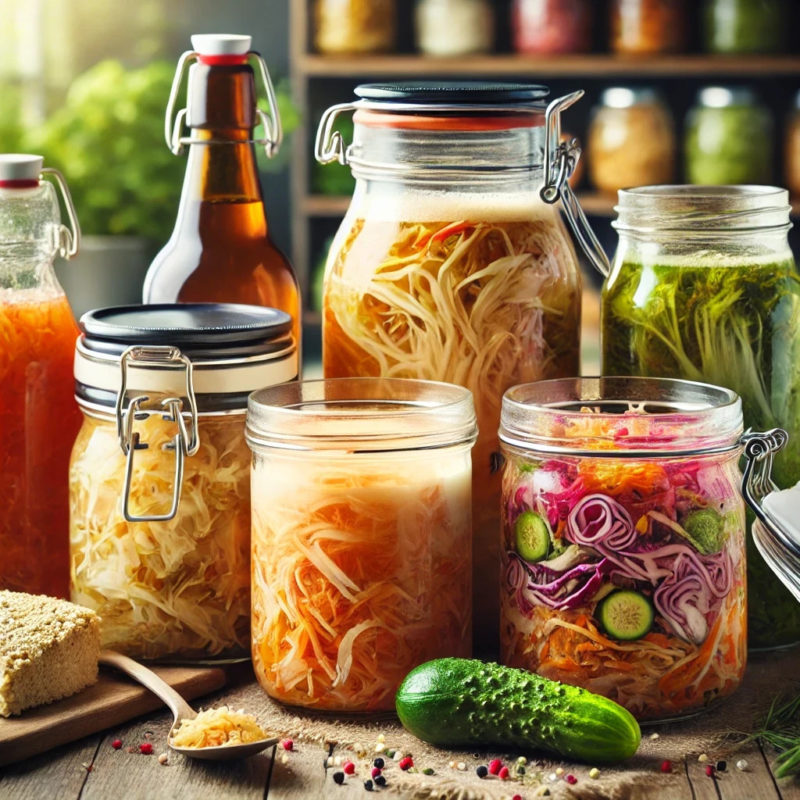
{"type": "Point", "coordinates": [451, 263]}
{"type": "Point", "coordinates": [631, 140]}
{"type": "Point", "coordinates": [551, 26]}
{"type": "Point", "coordinates": [792, 149]}
{"type": "Point", "coordinates": [745, 26]}
{"type": "Point", "coordinates": [623, 539]}
{"type": "Point", "coordinates": [361, 536]}
{"type": "Point", "coordinates": [728, 138]}
{"type": "Point", "coordinates": [354, 26]}
{"type": "Point", "coordinates": [454, 27]}
{"type": "Point", "coordinates": [160, 474]}
{"type": "Point", "coordinates": [647, 27]}
{"type": "Point", "coordinates": [704, 287]}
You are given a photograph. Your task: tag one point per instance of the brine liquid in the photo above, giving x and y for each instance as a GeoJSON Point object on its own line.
{"type": "Point", "coordinates": [482, 304]}
{"type": "Point", "coordinates": [39, 419]}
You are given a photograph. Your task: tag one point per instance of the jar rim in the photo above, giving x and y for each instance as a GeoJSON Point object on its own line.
{"type": "Point", "coordinates": [361, 415]}
{"type": "Point", "coordinates": [621, 417]}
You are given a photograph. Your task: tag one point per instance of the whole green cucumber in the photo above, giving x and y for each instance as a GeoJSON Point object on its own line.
{"type": "Point", "coordinates": [466, 702]}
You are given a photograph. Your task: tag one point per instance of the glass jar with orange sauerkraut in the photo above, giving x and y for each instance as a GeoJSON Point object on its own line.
{"type": "Point", "coordinates": [450, 266]}
{"type": "Point", "coordinates": [38, 414]}
{"type": "Point", "coordinates": [160, 474]}
{"type": "Point", "coordinates": [623, 550]}
{"type": "Point", "coordinates": [361, 556]}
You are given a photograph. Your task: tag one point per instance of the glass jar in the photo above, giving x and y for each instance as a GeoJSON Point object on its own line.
{"type": "Point", "coordinates": [792, 149]}
{"type": "Point", "coordinates": [361, 536]}
{"type": "Point", "coordinates": [469, 25]}
{"type": "Point", "coordinates": [450, 266]}
{"type": "Point", "coordinates": [38, 415]}
{"type": "Point", "coordinates": [728, 138]}
{"type": "Point", "coordinates": [623, 539]}
{"type": "Point", "coordinates": [160, 474]}
{"type": "Point", "coordinates": [704, 287]}
{"type": "Point", "coordinates": [551, 26]}
{"type": "Point", "coordinates": [354, 26]}
{"type": "Point", "coordinates": [642, 27]}
{"type": "Point", "coordinates": [745, 26]}
{"type": "Point", "coordinates": [631, 140]}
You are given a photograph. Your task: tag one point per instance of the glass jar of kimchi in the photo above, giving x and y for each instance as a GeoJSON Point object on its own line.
{"type": "Point", "coordinates": [451, 263]}
{"type": "Point", "coordinates": [159, 480]}
{"type": "Point", "coordinates": [38, 414]}
{"type": "Point", "coordinates": [704, 287]}
{"type": "Point", "coordinates": [623, 539]}
{"type": "Point", "coordinates": [361, 536]}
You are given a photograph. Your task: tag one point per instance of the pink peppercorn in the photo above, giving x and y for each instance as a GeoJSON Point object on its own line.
{"type": "Point", "coordinates": [571, 779]}
{"type": "Point", "coordinates": [146, 748]}
{"type": "Point", "coordinates": [287, 744]}
{"type": "Point", "coordinates": [666, 766]}
{"type": "Point", "coordinates": [709, 770]}
{"type": "Point", "coordinates": [348, 767]}
{"type": "Point", "coordinates": [517, 797]}
{"type": "Point", "coordinates": [503, 773]}
{"type": "Point", "coordinates": [406, 762]}
{"type": "Point", "coordinates": [116, 744]}
{"type": "Point", "coordinates": [494, 766]}
{"type": "Point", "coordinates": [375, 772]}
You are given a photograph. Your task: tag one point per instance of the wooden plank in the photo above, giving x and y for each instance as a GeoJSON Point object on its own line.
{"type": "Point", "coordinates": [756, 783]}
{"type": "Point", "coordinates": [115, 698]}
{"type": "Point", "coordinates": [59, 774]}
{"type": "Point", "coordinates": [134, 776]}
{"type": "Point", "coordinates": [504, 64]}
{"type": "Point", "coordinates": [302, 774]}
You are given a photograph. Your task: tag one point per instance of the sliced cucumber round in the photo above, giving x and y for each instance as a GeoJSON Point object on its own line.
{"type": "Point", "coordinates": [625, 614]}
{"type": "Point", "coordinates": [531, 536]}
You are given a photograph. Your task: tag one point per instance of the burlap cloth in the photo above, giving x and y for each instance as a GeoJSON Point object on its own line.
{"type": "Point", "coordinates": [639, 777]}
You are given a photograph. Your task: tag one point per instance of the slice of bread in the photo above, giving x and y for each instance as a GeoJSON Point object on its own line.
{"type": "Point", "coordinates": [48, 650]}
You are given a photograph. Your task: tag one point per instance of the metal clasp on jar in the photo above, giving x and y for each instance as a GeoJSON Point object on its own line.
{"type": "Point", "coordinates": [185, 443]}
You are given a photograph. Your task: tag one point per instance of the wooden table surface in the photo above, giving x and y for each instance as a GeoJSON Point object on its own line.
{"type": "Point", "coordinates": [91, 769]}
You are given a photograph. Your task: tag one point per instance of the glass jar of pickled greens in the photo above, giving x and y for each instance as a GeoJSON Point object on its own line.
{"type": "Point", "coordinates": [451, 263]}
{"type": "Point", "coordinates": [703, 286]}
{"type": "Point", "coordinates": [354, 26]}
{"type": "Point", "coordinates": [159, 480]}
{"type": "Point", "coordinates": [623, 555]}
{"type": "Point", "coordinates": [361, 536]}
{"type": "Point", "coordinates": [745, 26]}
{"type": "Point", "coordinates": [728, 138]}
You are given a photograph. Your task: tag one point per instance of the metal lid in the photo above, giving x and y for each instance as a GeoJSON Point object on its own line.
{"type": "Point", "coordinates": [233, 350]}
{"type": "Point", "coordinates": [20, 167]}
{"type": "Point", "coordinates": [625, 97]}
{"type": "Point", "coordinates": [452, 93]}
{"type": "Point", "coordinates": [724, 96]}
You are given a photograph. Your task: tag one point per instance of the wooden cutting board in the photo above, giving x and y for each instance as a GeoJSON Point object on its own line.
{"type": "Point", "coordinates": [115, 698]}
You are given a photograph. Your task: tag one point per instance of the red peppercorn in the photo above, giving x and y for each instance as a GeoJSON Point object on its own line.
{"type": "Point", "coordinates": [406, 762]}
{"type": "Point", "coordinates": [666, 766]}
{"type": "Point", "coordinates": [348, 767]}
{"type": "Point", "coordinates": [709, 770]}
{"type": "Point", "coordinates": [503, 773]}
{"type": "Point", "coordinates": [517, 797]}
{"type": "Point", "coordinates": [494, 766]}
{"type": "Point", "coordinates": [287, 744]}
{"type": "Point", "coordinates": [116, 744]}
{"type": "Point", "coordinates": [571, 779]}
{"type": "Point", "coordinates": [375, 772]}
{"type": "Point", "coordinates": [146, 748]}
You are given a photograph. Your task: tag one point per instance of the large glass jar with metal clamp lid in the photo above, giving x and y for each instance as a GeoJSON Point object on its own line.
{"type": "Point", "coordinates": [704, 287]}
{"type": "Point", "coordinates": [451, 263]}
{"type": "Point", "coordinates": [160, 474]}
{"type": "Point", "coordinates": [38, 415]}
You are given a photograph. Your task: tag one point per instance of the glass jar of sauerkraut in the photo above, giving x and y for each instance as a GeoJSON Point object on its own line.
{"type": "Point", "coordinates": [160, 474]}
{"type": "Point", "coordinates": [704, 287]}
{"type": "Point", "coordinates": [643, 27]}
{"type": "Point", "coordinates": [623, 539]}
{"type": "Point", "coordinates": [361, 536]}
{"type": "Point", "coordinates": [449, 264]}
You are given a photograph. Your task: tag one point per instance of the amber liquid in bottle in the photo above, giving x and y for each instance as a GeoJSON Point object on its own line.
{"type": "Point", "coordinates": [220, 250]}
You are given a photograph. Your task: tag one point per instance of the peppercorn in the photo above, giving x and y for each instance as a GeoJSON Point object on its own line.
{"type": "Point", "coordinates": [338, 777]}
{"type": "Point", "coordinates": [116, 744]}
{"type": "Point", "coordinates": [482, 771]}
{"type": "Point", "coordinates": [146, 748]}
{"type": "Point", "coordinates": [287, 744]}
{"type": "Point", "coordinates": [379, 763]}
{"type": "Point", "coordinates": [349, 767]}
{"type": "Point", "coordinates": [380, 780]}
{"type": "Point", "coordinates": [406, 762]}
{"type": "Point", "coordinates": [571, 780]}
{"type": "Point", "coordinates": [494, 766]}
{"type": "Point", "coordinates": [722, 766]}
{"type": "Point", "coordinates": [503, 774]}
{"type": "Point", "coordinates": [666, 766]}
{"type": "Point", "coordinates": [709, 770]}
{"type": "Point", "coordinates": [368, 785]}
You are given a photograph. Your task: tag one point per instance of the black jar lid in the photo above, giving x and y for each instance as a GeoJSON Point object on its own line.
{"type": "Point", "coordinates": [233, 350]}
{"type": "Point", "coordinates": [450, 93]}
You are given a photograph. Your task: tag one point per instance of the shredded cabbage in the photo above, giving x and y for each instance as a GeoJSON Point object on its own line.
{"type": "Point", "coordinates": [483, 304]}
{"type": "Point", "coordinates": [361, 571]}
{"type": "Point", "coordinates": [215, 727]}
{"type": "Point", "coordinates": [164, 589]}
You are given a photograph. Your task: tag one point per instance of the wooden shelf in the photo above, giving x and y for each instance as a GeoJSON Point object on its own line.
{"type": "Point", "coordinates": [584, 66]}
